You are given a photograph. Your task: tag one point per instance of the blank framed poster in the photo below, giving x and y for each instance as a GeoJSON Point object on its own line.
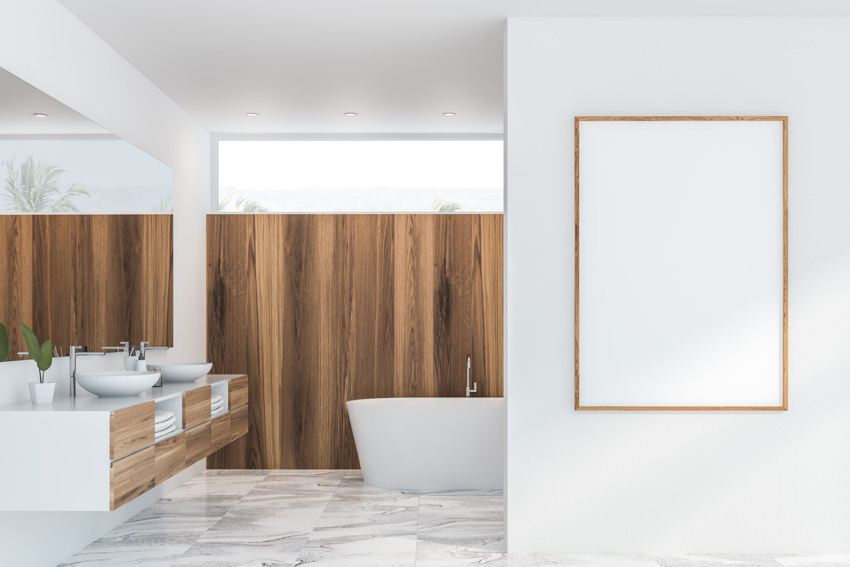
{"type": "Point", "coordinates": [681, 263]}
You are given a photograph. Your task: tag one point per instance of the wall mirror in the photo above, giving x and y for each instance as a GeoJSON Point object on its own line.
{"type": "Point", "coordinates": [681, 272]}
{"type": "Point", "coordinates": [86, 228]}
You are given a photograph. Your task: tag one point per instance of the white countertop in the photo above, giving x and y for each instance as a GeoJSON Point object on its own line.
{"type": "Point", "coordinates": [89, 402]}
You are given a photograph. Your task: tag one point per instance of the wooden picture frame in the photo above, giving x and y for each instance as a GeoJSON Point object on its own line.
{"type": "Point", "coordinates": [783, 406]}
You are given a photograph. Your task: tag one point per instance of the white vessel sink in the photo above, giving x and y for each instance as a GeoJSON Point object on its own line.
{"type": "Point", "coordinates": [182, 372]}
{"type": "Point", "coordinates": [117, 384]}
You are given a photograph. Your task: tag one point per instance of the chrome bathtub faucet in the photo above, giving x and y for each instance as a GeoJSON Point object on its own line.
{"type": "Point", "coordinates": [474, 389]}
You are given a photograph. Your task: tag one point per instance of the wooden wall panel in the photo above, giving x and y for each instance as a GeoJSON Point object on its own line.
{"type": "Point", "coordinates": [320, 309]}
{"type": "Point", "coordinates": [93, 280]}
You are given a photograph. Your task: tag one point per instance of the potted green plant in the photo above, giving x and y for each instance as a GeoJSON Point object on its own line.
{"type": "Point", "coordinates": [41, 392]}
{"type": "Point", "coordinates": [4, 343]}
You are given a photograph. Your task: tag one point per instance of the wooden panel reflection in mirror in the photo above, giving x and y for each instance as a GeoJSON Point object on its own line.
{"type": "Point", "coordinates": [91, 280]}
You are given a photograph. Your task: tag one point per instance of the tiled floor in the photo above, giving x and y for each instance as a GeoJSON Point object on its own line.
{"type": "Point", "coordinates": [330, 518]}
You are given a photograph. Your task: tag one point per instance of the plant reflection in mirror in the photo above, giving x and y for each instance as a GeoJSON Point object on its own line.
{"type": "Point", "coordinates": [34, 187]}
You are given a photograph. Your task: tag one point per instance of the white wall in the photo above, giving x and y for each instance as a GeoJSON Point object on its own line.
{"type": "Point", "coordinates": [45, 45]}
{"type": "Point", "coordinates": [676, 482]}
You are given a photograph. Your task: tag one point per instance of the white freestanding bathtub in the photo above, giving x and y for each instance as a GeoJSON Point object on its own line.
{"type": "Point", "coordinates": [430, 443]}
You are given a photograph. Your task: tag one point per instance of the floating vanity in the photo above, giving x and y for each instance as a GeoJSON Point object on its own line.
{"type": "Point", "coordinates": [87, 453]}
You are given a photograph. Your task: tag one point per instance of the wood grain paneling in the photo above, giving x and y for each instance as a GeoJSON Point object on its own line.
{"type": "Point", "coordinates": [170, 457]}
{"type": "Point", "coordinates": [131, 477]}
{"type": "Point", "coordinates": [320, 309]}
{"type": "Point", "coordinates": [91, 280]}
{"type": "Point", "coordinates": [131, 429]}
{"type": "Point", "coordinates": [196, 406]}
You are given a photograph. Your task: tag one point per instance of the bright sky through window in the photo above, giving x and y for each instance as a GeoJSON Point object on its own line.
{"type": "Point", "coordinates": [361, 176]}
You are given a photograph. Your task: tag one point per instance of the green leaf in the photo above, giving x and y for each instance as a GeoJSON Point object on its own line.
{"type": "Point", "coordinates": [32, 343]}
{"type": "Point", "coordinates": [46, 359]}
{"type": "Point", "coordinates": [4, 343]}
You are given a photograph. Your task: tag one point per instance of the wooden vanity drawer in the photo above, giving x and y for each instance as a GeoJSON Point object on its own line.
{"type": "Point", "coordinates": [220, 432]}
{"type": "Point", "coordinates": [238, 422]}
{"type": "Point", "coordinates": [130, 477]}
{"type": "Point", "coordinates": [170, 457]}
{"type": "Point", "coordinates": [238, 392]}
{"type": "Point", "coordinates": [196, 406]}
{"type": "Point", "coordinates": [131, 429]}
{"type": "Point", "coordinates": [198, 443]}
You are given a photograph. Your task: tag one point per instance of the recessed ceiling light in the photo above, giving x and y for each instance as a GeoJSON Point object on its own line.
{"type": "Point", "coordinates": [449, 114]}
{"type": "Point", "coordinates": [252, 114]}
{"type": "Point", "coordinates": [40, 115]}
{"type": "Point", "coordinates": [351, 114]}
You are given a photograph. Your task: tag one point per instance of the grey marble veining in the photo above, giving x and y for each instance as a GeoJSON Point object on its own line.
{"type": "Point", "coordinates": [436, 554]}
{"type": "Point", "coordinates": [600, 560]}
{"type": "Point", "coordinates": [716, 560]}
{"type": "Point", "coordinates": [332, 518]}
{"type": "Point", "coordinates": [471, 520]}
{"type": "Point", "coordinates": [821, 560]}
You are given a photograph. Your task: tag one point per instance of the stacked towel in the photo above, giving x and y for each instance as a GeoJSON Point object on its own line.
{"type": "Point", "coordinates": [217, 405]}
{"type": "Point", "coordinates": [164, 423]}
{"type": "Point", "coordinates": [160, 415]}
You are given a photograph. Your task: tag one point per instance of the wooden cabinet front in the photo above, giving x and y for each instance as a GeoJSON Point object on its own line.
{"type": "Point", "coordinates": [131, 477]}
{"type": "Point", "coordinates": [198, 443]}
{"type": "Point", "coordinates": [170, 457]}
{"type": "Point", "coordinates": [131, 429]}
{"type": "Point", "coordinates": [238, 392]}
{"type": "Point", "coordinates": [238, 422]}
{"type": "Point", "coordinates": [220, 431]}
{"type": "Point", "coordinates": [196, 406]}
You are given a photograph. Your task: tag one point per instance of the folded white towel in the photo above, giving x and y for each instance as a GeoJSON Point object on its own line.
{"type": "Point", "coordinates": [215, 399]}
{"type": "Point", "coordinates": [165, 432]}
{"type": "Point", "coordinates": [218, 411]}
{"type": "Point", "coordinates": [218, 404]}
{"type": "Point", "coordinates": [165, 424]}
{"type": "Point", "coordinates": [161, 415]}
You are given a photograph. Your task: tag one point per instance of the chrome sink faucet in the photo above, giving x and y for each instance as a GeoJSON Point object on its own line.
{"type": "Point", "coordinates": [474, 389]}
{"type": "Point", "coordinates": [143, 348]}
{"type": "Point", "coordinates": [125, 347]}
{"type": "Point", "coordinates": [72, 365]}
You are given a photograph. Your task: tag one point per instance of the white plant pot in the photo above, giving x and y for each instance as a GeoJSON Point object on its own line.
{"type": "Point", "coordinates": [42, 393]}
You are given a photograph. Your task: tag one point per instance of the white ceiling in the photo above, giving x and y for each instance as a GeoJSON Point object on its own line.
{"type": "Point", "coordinates": [19, 101]}
{"type": "Point", "coordinates": [399, 63]}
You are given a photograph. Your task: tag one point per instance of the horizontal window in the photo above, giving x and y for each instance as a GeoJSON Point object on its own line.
{"type": "Point", "coordinates": [360, 176]}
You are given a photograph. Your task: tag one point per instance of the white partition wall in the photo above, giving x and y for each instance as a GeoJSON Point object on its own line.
{"type": "Point", "coordinates": [645, 481]}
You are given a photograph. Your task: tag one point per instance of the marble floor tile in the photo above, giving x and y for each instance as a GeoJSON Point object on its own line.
{"type": "Point", "coordinates": [716, 560]}
{"type": "Point", "coordinates": [818, 560]}
{"type": "Point", "coordinates": [206, 484]}
{"type": "Point", "coordinates": [247, 532]}
{"type": "Point", "coordinates": [369, 528]}
{"type": "Point", "coordinates": [344, 550]}
{"type": "Point", "coordinates": [599, 560]}
{"type": "Point", "coordinates": [435, 554]}
{"type": "Point", "coordinates": [332, 518]}
{"type": "Point", "coordinates": [469, 521]}
{"type": "Point", "coordinates": [133, 549]}
{"type": "Point", "coordinates": [190, 514]}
